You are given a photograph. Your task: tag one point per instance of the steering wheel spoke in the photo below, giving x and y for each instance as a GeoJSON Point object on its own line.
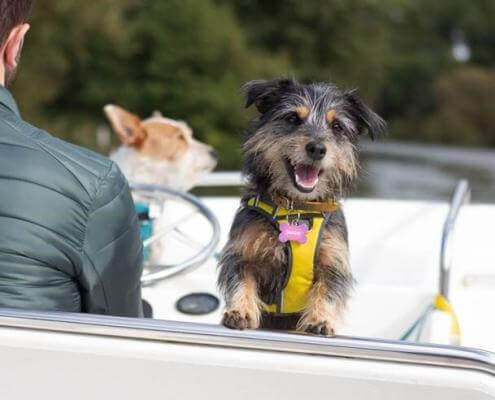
{"type": "Point", "coordinates": [168, 229]}
{"type": "Point", "coordinates": [162, 197]}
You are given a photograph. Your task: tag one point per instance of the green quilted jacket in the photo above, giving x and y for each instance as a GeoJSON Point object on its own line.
{"type": "Point", "coordinates": [69, 235]}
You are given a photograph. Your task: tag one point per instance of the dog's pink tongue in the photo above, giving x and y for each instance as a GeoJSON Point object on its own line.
{"type": "Point", "coordinates": [306, 175]}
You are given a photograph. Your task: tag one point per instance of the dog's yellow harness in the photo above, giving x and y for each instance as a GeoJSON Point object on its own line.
{"type": "Point", "coordinates": [301, 256]}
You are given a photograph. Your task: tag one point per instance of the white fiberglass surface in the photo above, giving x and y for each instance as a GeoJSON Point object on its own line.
{"type": "Point", "coordinates": [394, 248]}
{"type": "Point", "coordinates": [56, 366]}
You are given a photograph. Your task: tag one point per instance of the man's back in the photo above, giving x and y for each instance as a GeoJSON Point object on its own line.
{"type": "Point", "coordinates": [69, 236]}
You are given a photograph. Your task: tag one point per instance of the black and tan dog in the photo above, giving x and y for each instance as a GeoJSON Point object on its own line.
{"type": "Point", "coordinates": [286, 264]}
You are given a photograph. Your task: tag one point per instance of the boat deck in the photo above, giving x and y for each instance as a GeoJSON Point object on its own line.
{"type": "Point", "coordinates": [395, 250]}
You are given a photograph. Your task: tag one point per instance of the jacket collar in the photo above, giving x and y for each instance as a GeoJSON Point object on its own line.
{"type": "Point", "coordinates": [8, 101]}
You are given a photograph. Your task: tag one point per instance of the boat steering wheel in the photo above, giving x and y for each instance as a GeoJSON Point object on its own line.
{"type": "Point", "coordinates": [173, 225]}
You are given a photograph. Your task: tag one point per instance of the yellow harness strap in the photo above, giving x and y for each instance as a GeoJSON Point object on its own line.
{"type": "Point", "coordinates": [302, 256]}
{"type": "Point", "coordinates": [442, 304]}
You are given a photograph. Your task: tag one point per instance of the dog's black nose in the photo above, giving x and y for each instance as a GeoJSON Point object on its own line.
{"type": "Point", "coordinates": [316, 151]}
{"type": "Point", "coordinates": [214, 154]}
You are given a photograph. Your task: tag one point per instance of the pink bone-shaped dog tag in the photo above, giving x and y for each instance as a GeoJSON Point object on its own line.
{"type": "Point", "coordinates": [291, 232]}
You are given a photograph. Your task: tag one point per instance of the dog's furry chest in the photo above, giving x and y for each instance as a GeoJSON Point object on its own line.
{"type": "Point", "coordinates": [273, 277]}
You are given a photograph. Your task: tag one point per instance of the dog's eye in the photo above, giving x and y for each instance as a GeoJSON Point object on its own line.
{"type": "Point", "coordinates": [337, 127]}
{"type": "Point", "coordinates": [293, 119]}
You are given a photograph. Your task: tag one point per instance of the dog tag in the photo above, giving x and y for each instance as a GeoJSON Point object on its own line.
{"type": "Point", "coordinates": [292, 232]}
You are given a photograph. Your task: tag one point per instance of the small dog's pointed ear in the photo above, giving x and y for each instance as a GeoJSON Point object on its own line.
{"type": "Point", "coordinates": [367, 120]}
{"type": "Point", "coordinates": [264, 94]}
{"type": "Point", "coordinates": [126, 125]}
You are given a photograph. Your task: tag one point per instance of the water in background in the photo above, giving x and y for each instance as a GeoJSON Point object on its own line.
{"type": "Point", "coordinates": [396, 170]}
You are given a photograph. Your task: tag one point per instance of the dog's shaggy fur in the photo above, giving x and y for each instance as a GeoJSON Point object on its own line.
{"type": "Point", "coordinates": [159, 150]}
{"type": "Point", "coordinates": [300, 128]}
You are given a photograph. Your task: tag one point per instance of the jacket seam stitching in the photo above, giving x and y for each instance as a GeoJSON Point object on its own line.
{"type": "Point", "coordinates": [19, 218]}
{"type": "Point", "coordinates": [110, 201]}
{"type": "Point", "coordinates": [42, 146]}
{"type": "Point", "coordinates": [119, 236]}
{"type": "Point", "coordinates": [100, 180]}
{"type": "Point", "coordinates": [8, 178]}
{"type": "Point", "coordinates": [105, 297]}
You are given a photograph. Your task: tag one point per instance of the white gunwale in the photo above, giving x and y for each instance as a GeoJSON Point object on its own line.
{"type": "Point", "coordinates": [260, 340]}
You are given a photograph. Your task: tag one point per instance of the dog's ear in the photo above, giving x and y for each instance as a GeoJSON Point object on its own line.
{"type": "Point", "coordinates": [367, 120]}
{"type": "Point", "coordinates": [265, 94]}
{"type": "Point", "coordinates": [126, 125]}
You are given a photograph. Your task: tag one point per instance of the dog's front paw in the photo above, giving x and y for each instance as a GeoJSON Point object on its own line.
{"type": "Point", "coordinates": [317, 327]}
{"type": "Point", "coordinates": [235, 319]}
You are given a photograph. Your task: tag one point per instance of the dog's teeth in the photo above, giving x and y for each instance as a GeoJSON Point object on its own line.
{"type": "Point", "coordinates": [306, 176]}
{"type": "Point", "coordinates": [306, 185]}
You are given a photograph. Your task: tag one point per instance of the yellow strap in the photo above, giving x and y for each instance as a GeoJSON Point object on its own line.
{"type": "Point", "coordinates": [296, 292]}
{"type": "Point", "coordinates": [281, 212]}
{"type": "Point", "coordinates": [442, 304]}
{"type": "Point", "coordinates": [270, 308]}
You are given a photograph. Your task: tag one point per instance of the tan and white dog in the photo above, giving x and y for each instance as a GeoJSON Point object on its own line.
{"type": "Point", "coordinates": [159, 150]}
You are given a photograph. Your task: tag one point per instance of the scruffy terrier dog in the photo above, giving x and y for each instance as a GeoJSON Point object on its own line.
{"type": "Point", "coordinates": [286, 263]}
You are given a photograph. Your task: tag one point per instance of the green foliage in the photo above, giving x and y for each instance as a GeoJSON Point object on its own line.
{"type": "Point", "coordinates": [189, 58]}
{"type": "Point", "coordinates": [340, 40]}
{"type": "Point", "coordinates": [465, 108]}
{"type": "Point", "coordinates": [71, 58]}
{"type": "Point", "coordinates": [183, 57]}
{"type": "Point", "coordinates": [394, 51]}
{"type": "Point", "coordinates": [192, 58]}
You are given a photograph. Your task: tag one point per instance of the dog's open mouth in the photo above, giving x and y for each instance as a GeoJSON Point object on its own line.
{"type": "Point", "coordinates": [305, 176]}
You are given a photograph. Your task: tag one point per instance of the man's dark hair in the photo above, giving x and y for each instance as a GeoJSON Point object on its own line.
{"type": "Point", "coordinates": [13, 13]}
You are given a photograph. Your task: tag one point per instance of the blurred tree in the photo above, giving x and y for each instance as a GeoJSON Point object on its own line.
{"type": "Point", "coordinates": [186, 58]}
{"type": "Point", "coordinates": [189, 58]}
{"type": "Point", "coordinates": [346, 41]}
{"type": "Point", "coordinates": [394, 51]}
{"type": "Point", "coordinates": [424, 34]}
{"type": "Point", "coordinates": [464, 115]}
{"type": "Point", "coordinates": [71, 53]}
